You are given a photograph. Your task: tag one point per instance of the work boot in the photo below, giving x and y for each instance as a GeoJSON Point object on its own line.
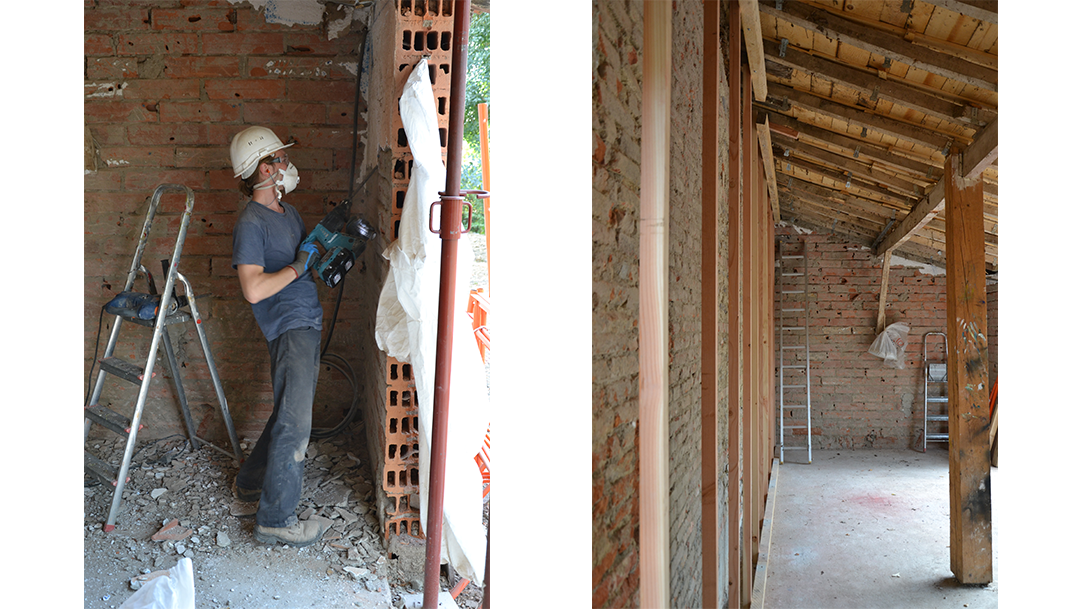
{"type": "Point", "coordinates": [246, 495]}
{"type": "Point", "coordinates": [299, 534]}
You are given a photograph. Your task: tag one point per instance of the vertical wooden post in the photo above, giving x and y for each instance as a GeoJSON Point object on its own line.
{"type": "Point", "coordinates": [711, 78]}
{"type": "Point", "coordinates": [654, 308]}
{"type": "Point", "coordinates": [746, 574]}
{"type": "Point", "coordinates": [881, 321]}
{"type": "Point", "coordinates": [734, 350]}
{"type": "Point", "coordinates": [967, 375]}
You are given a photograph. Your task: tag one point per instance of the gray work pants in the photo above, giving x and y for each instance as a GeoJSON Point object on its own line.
{"type": "Point", "coordinates": [277, 462]}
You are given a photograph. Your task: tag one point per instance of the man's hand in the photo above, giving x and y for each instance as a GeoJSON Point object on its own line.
{"type": "Point", "coordinates": [304, 254]}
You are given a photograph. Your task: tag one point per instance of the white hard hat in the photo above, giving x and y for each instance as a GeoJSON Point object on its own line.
{"type": "Point", "coordinates": [251, 145]}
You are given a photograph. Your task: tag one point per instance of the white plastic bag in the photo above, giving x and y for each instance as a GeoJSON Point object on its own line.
{"type": "Point", "coordinates": [890, 345]}
{"type": "Point", "coordinates": [174, 589]}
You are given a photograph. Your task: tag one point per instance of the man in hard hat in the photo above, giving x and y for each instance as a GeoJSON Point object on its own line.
{"type": "Point", "coordinates": [274, 278]}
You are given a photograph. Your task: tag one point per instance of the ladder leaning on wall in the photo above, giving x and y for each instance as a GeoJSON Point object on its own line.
{"type": "Point", "coordinates": [794, 362]}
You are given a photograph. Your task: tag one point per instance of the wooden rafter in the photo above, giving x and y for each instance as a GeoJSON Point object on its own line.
{"type": "Point", "coordinates": [920, 136]}
{"type": "Point", "coordinates": [766, 149]}
{"type": "Point", "coordinates": [882, 43]}
{"type": "Point", "coordinates": [868, 82]}
{"type": "Point", "coordinates": [979, 157]}
{"type": "Point", "coordinates": [856, 167]}
{"type": "Point", "coordinates": [753, 44]}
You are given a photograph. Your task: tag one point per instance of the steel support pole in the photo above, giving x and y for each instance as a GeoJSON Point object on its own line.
{"type": "Point", "coordinates": [450, 232]}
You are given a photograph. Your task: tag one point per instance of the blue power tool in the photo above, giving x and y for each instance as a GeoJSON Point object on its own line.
{"type": "Point", "coordinates": [343, 239]}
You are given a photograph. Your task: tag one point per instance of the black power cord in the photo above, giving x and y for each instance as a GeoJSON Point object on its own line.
{"type": "Point", "coordinates": [334, 360]}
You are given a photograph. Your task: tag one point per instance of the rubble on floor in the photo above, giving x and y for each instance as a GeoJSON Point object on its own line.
{"type": "Point", "coordinates": [179, 503]}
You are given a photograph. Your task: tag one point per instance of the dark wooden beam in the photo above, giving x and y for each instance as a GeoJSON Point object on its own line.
{"type": "Point", "coordinates": [888, 45]}
{"type": "Point", "coordinates": [984, 10]}
{"type": "Point", "coordinates": [864, 118]}
{"type": "Point", "coordinates": [733, 337]}
{"type": "Point", "coordinates": [709, 347]}
{"type": "Point", "coordinates": [868, 82]}
{"type": "Point", "coordinates": [967, 375]}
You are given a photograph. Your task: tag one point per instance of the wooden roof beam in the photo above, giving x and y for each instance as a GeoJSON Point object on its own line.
{"type": "Point", "coordinates": [762, 128]}
{"type": "Point", "coordinates": [904, 131]}
{"type": "Point", "coordinates": [869, 83]}
{"type": "Point", "coordinates": [856, 183]}
{"type": "Point", "coordinates": [862, 148]}
{"type": "Point", "coordinates": [857, 168]}
{"type": "Point", "coordinates": [753, 45]}
{"type": "Point", "coordinates": [976, 157]}
{"type": "Point", "coordinates": [982, 152]}
{"type": "Point", "coordinates": [888, 45]}
{"type": "Point", "coordinates": [984, 10]}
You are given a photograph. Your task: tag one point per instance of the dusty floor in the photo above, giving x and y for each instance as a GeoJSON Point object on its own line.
{"type": "Point", "coordinates": [867, 529]}
{"type": "Point", "coordinates": [350, 567]}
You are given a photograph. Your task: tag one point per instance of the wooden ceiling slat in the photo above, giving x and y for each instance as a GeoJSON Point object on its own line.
{"type": "Point", "coordinates": [984, 10]}
{"type": "Point", "coordinates": [869, 83]}
{"type": "Point", "coordinates": [875, 40]}
{"type": "Point", "coordinates": [888, 126]}
{"type": "Point", "coordinates": [843, 163]}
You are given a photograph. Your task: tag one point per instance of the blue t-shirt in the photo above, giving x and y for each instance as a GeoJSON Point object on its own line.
{"type": "Point", "coordinates": [269, 239]}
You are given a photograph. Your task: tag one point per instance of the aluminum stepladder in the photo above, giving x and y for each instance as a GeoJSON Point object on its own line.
{"type": "Point", "coordinates": [794, 361]}
{"type": "Point", "coordinates": [935, 379]}
{"type": "Point", "coordinates": [142, 377]}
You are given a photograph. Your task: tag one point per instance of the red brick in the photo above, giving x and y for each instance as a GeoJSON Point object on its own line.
{"type": "Point", "coordinates": [333, 91]}
{"type": "Point", "coordinates": [147, 181]}
{"type": "Point", "coordinates": [111, 67]}
{"type": "Point", "coordinates": [310, 44]}
{"type": "Point", "coordinates": [193, 19]}
{"type": "Point", "coordinates": [251, 20]}
{"type": "Point", "coordinates": [302, 67]}
{"type": "Point", "coordinates": [223, 180]}
{"type": "Point", "coordinates": [118, 112]}
{"type": "Point", "coordinates": [158, 43]}
{"type": "Point", "coordinates": [235, 43]}
{"type": "Point", "coordinates": [205, 156]}
{"type": "Point", "coordinates": [261, 113]}
{"type": "Point", "coordinates": [340, 114]}
{"type": "Point", "coordinates": [211, 111]}
{"type": "Point", "coordinates": [98, 44]}
{"type": "Point", "coordinates": [136, 157]}
{"type": "Point", "coordinates": [161, 89]}
{"type": "Point", "coordinates": [202, 67]}
{"type": "Point", "coordinates": [245, 89]}
{"type": "Point", "coordinates": [116, 20]}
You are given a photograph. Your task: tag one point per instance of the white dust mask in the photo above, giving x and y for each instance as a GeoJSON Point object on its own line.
{"type": "Point", "coordinates": [287, 180]}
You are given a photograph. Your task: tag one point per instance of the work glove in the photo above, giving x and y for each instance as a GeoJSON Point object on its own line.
{"type": "Point", "coordinates": [304, 254]}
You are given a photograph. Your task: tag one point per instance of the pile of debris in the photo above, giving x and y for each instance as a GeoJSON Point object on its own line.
{"type": "Point", "coordinates": [179, 503]}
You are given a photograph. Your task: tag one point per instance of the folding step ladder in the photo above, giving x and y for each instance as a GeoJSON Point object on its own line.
{"type": "Point", "coordinates": [935, 393]}
{"type": "Point", "coordinates": [169, 312]}
{"type": "Point", "coordinates": [794, 362]}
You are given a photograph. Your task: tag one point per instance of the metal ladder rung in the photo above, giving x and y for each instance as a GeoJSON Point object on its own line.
{"type": "Point", "coordinates": [792, 291]}
{"type": "Point", "coordinates": [935, 400]}
{"type": "Point", "coordinates": [793, 328]}
{"type": "Point", "coordinates": [800, 310]}
{"type": "Point", "coordinates": [792, 386]}
{"type": "Point", "coordinates": [792, 256]}
{"type": "Point", "coordinates": [792, 274]}
{"type": "Point", "coordinates": [790, 406]}
{"type": "Point", "coordinates": [100, 469]}
{"type": "Point", "coordinates": [123, 369]}
{"type": "Point", "coordinates": [937, 417]}
{"type": "Point", "coordinates": [794, 427]}
{"type": "Point", "coordinates": [938, 436]}
{"type": "Point", "coordinates": [793, 347]}
{"type": "Point", "coordinates": [110, 419]}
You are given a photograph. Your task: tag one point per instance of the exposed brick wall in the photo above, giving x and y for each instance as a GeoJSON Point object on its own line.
{"type": "Point", "coordinates": [858, 402]}
{"type": "Point", "coordinates": [617, 102]}
{"type": "Point", "coordinates": [617, 119]}
{"type": "Point", "coordinates": [167, 85]}
{"type": "Point", "coordinates": [685, 303]}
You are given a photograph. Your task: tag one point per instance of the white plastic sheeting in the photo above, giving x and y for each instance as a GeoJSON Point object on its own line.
{"type": "Point", "coordinates": [406, 330]}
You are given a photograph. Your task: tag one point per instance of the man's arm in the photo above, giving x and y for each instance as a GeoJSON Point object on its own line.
{"type": "Point", "coordinates": [257, 285]}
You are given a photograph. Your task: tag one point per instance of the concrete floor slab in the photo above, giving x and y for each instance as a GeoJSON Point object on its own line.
{"type": "Point", "coordinates": [869, 529]}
